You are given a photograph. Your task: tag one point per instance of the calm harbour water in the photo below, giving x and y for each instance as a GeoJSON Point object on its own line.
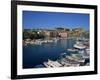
{"type": "Point", "coordinates": [34, 55]}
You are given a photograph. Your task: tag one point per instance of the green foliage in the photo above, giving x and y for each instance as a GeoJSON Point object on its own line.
{"type": "Point", "coordinates": [67, 29]}
{"type": "Point", "coordinates": [32, 34]}
{"type": "Point", "coordinates": [60, 28]}
{"type": "Point", "coordinates": [25, 35]}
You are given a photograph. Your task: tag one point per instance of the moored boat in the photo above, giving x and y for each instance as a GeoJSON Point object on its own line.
{"type": "Point", "coordinates": [72, 50]}
{"type": "Point", "coordinates": [79, 46]}
{"type": "Point", "coordinates": [51, 63]}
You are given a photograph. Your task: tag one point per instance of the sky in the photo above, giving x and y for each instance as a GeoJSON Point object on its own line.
{"type": "Point", "coordinates": [52, 20]}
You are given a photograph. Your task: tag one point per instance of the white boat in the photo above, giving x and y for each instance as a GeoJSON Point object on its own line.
{"type": "Point", "coordinates": [69, 62]}
{"type": "Point", "coordinates": [38, 42]}
{"type": "Point", "coordinates": [70, 58]}
{"type": "Point", "coordinates": [51, 63]}
{"type": "Point", "coordinates": [72, 50]}
{"type": "Point", "coordinates": [49, 41]}
{"type": "Point", "coordinates": [88, 51]}
{"type": "Point", "coordinates": [86, 57]}
{"type": "Point", "coordinates": [75, 65]}
{"type": "Point", "coordinates": [78, 58]}
{"type": "Point", "coordinates": [79, 45]}
{"type": "Point", "coordinates": [55, 39]}
{"type": "Point", "coordinates": [46, 65]}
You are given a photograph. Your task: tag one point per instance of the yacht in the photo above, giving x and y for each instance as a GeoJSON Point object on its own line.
{"type": "Point", "coordinates": [78, 58]}
{"type": "Point", "coordinates": [79, 45]}
{"type": "Point", "coordinates": [72, 50]}
{"type": "Point", "coordinates": [51, 63]}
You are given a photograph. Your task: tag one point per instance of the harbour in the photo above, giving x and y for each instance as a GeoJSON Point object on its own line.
{"type": "Point", "coordinates": [62, 53]}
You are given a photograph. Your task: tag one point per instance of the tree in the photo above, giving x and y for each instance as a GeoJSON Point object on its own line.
{"type": "Point", "coordinates": [25, 35]}
{"type": "Point", "coordinates": [59, 28]}
{"type": "Point", "coordinates": [67, 29]}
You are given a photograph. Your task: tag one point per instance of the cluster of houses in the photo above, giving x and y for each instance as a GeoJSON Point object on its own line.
{"type": "Point", "coordinates": [55, 33]}
{"type": "Point", "coordinates": [62, 33]}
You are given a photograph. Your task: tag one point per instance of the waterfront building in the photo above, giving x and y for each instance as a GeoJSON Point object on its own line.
{"type": "Point", "coordinates": [54, 33]}
{"type": "Point", "coordinates": [46, 33]}
{"type": "Point", "coordinates": [63, 34]}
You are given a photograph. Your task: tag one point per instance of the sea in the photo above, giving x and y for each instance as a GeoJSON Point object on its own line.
{"type": "Point", "coordinates": [35, 55]}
